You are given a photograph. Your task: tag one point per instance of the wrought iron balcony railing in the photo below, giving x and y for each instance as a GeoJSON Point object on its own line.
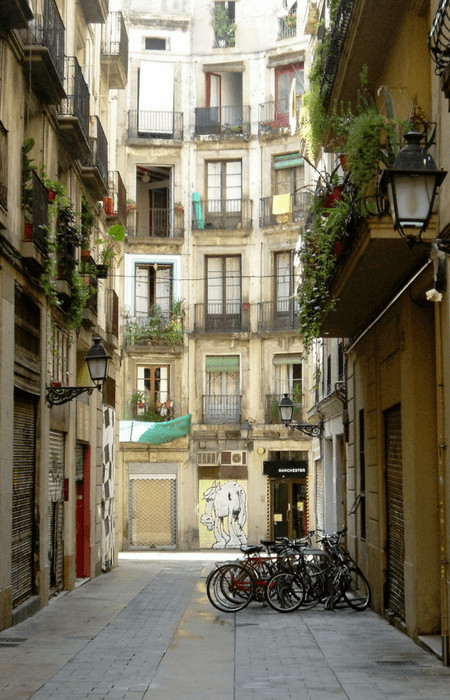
{"type": "Point", "coordinates": [98, 159]}
{"type": "Point", "coordinates": [222, 214]}
{"type": "Point", "coordinates": [439, 38]}
{"type": "Point", "coordinates": [272, 413]}
{"type": "Point", "coordinates": [115, 204]}
{"type": "Point", "coordinates": [278, 315]}
{"type": "Point", "coordinates": [222, 408]}
{"type": "Point", "coordinates": [76, 102]}
{"type": "Point", "coordinates": [288, 26]}
{"type": "Point", "coordinates": [145, 124]}
{"type": "Point", "coordinates": [161, 223]}
{"type": "Point", "coordinates": [223, 121]}
{"type": "Point", "coordinates": [274, 115]}
{"type": "Point", "coordinates": [36, 220]}
{"type": "Point", "coordinates": [337, 39]}
{"type": "Point", "coordinates": [299, 204]}
{"type": "Point", "coordinates": [114, 50]}
{"type": "Point", "coordinates": [159, 327]}
{"type": "Point", "coordinates": [47, 29]}
{"type": "Point", "coordinates": [231, 317]}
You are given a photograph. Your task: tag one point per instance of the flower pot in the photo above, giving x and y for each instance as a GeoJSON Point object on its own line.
{"type": "Point", "coordinates": [28, 232]}
{"type": "Point", "coordinates": [51, 195]}
{"type": "Point", "coordinates": [85, 255]}
{"type": "Point", "coordinates": [332, 197]}
{"type": "Point", "coordinates": [337, 248]}
{"type": "Point", "coordinates": [344, 161]}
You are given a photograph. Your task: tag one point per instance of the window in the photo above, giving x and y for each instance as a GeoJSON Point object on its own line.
{"type": "Point", "coordinates": [156, 98]}
{"type": "Point", "coordinates": [284, 76]}
{"type": "Point", "coordinates": [154, 290]}
{"type": "Point", "coordinates": [288, 376]}
{"type": "Point", "coordinates": [222, 400]}
{"type": "Point", "coordinates": [285, 285]}
{"type": "Point", "coordinates": [223, 292]}
{"type": "Point", "coordinates": [224, 187]}
{"type": "Point", "coordinates": [152, 44]}
{"type": "Point", "coordinates": [59, 357]}
{"type": "Point", "coordinates": [153, 383]}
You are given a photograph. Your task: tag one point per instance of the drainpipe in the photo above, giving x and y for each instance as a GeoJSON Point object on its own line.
{"type": "Point", "coordinates": [441, 491]}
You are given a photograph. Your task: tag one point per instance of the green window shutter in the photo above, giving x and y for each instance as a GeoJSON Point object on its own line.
{"type": "Point", "coordinates": [287, 360]}
{"type": "Point", "coordinates": [222, 363]}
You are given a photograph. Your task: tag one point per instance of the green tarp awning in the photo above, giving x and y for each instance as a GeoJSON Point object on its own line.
{"type": "Point", "coordinates": [154, 433]}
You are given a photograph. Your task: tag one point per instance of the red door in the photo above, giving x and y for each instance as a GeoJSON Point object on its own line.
{"type": "Point", "coordinates": [83, 519]}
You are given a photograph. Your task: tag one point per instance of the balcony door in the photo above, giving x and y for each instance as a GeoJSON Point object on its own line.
{"type": "Point", "coordinates": [222, 403]}
{"type": "Point", "coordinates": [223, 293]}
{"type": "Point", "coordinates": [284, 76]}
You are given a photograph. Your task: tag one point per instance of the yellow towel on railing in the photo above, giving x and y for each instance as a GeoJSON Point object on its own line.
{"type": "Point", "coordinates": [281, 204]}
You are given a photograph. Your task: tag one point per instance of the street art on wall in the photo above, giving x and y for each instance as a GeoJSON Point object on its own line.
{"type": "Point", "coordinates": [223, 508]}
{"type": "Point", "coordinates": [108, 511]}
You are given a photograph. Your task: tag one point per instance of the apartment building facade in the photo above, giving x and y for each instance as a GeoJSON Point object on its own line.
{"type": "Point", "coordinates": [61, 65]}
{"type": "Point", "coordinates": [210, 318]}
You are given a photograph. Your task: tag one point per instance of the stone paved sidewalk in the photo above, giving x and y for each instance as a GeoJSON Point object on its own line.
{"type": "Point", "coordinates": [146, 631]}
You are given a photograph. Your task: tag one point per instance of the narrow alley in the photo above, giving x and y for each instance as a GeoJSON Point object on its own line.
{"type": "Point", "coordinates": [146, 630]}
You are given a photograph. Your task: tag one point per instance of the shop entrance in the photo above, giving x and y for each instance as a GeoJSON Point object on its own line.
{"type": "Point", "coordinates": [288, 508]}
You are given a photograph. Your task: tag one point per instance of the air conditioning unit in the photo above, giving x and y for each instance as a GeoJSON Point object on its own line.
{"type": "Point", "coordinates": [233, 458]}
{"type": "Point", "coordinates": [206, 459]}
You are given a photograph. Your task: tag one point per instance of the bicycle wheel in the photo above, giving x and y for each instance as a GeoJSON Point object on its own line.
{"type": "Point", "coordinates": [313, 580]}
{"type": "Point", "coordinates": [230, 588]}
{"type": "Point", "coordinates": [357, 592]}
{"type": "Point", "coordinates": [284, 592]}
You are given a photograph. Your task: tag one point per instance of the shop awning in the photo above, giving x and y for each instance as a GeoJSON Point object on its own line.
{"type": "Point", "coordinates": [154, 433]}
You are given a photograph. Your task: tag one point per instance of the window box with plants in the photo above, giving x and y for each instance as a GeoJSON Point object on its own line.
{"type": "Point", "coordinates": [158, 329]}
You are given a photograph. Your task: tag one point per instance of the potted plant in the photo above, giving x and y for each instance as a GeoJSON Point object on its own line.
{"type": "Point", "coordinates": [224, 30]}
{"type": "Point", "coordinates": [115, 234]}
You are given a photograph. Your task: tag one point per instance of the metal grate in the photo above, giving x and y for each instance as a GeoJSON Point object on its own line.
{"type": "Point", "coordinates": [152, 516]}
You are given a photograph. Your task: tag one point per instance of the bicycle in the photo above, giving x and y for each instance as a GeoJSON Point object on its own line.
{"type": "Point", "coordinates": [231, 586]}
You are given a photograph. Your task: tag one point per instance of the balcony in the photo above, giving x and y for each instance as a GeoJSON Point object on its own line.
{"type": "Point", "coordinates": [223, 122]}
{"type": "Point", "coordinates": [34, 245]}
{"type": "Point", "coordinates": [273, 117]}
{"type": "Point", "coordinates": [115, 204]}
{"type": "Point", "coordinates": [374, 264]}
{"type": "Point", "coordinates": [73, 111]}
{"type": "Point", "coordinates": [114, 51]}
{"type": "Point", "coordinates": [297, 210]}
{"type": "Point", "coordinates": [220, 409]}
{"type": "Point", "coordinates": [14, 14]}
{"type": "Point", "coordinates": [95, 11]}
{"type": "Point", "coordinates": [438, 44]}
{"type": "Point", "coordinates": [225, 214]}
{"type": "Point", "coordinates": [158, 328]}
{"type": "Point", "coordinates": [337, 40]}
{"type": "Point", "coordinates": [43, 62]}
{"type": "Point", "coordinates": [162, 224]}
{"type": "Point", "coordinates": [234, 317]}
{"type": "Point", "coordinates": [281, 315]}
{"type": "Point", "coordinates": [144, 124]}
{"type": "Point", "coordinates": [288, 26]}
{"type": "Point", "coordinates": [271, 412]}
{"type": "Point", "coordinates": [94, 170]}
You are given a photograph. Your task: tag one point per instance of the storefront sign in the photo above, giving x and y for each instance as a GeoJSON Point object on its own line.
{"type": "Point", "coordinates": [280, 468]}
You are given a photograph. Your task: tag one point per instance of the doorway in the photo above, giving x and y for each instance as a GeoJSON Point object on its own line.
{"type": "Point", "coordinates": [289, 517]}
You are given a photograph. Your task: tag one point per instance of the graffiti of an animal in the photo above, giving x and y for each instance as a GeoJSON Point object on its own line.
{"type": "Point", "coordinates": [225, 501]}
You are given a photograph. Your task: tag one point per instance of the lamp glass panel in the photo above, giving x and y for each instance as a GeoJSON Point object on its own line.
{"type": "Point", "coordinates": [97, 368]}
{"type": "Point", "coordinates": [414, 194]}
{"type": "Point", "coordinates": [286, 411]}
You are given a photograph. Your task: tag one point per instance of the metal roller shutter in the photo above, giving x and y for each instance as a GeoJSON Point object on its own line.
{"type": "Point", "coordinates": [23, 497]}
{"type": "Point", "coordinates": [56, 511]}
{"type": "Point", "coordinates": [152, 511]}
{"type": "Point", "coordinates": [395, 544]}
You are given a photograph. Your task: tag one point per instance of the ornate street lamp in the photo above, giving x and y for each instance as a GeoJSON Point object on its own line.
{"type": "Point", "coordinates": [286, 409]}
{"type": "Point", "coordinates": [97, 361]}
{"type": "Point", "coordinates": [411, 185]}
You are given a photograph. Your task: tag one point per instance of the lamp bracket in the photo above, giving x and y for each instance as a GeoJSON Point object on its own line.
{"type": "Point", "coordinates": [57, 395]}
{"type": "Point", "coordinates": [310, 429]}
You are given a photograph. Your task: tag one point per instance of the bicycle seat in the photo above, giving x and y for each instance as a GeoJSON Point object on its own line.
{"type": "Point", "coordinates": [251, 548]}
